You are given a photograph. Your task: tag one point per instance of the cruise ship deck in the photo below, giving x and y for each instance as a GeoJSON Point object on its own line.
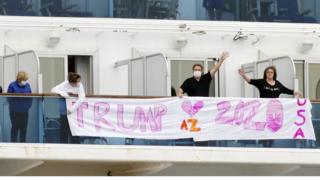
{"type": "Point", "coordinates": [43, 154]}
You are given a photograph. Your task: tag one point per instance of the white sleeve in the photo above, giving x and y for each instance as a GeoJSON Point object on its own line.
{"type": "Point", "coordinates": [81, 97]}
{"type": "Point", "coordinates": [59, 89]}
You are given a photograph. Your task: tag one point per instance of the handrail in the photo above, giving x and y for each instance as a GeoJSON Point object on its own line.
{"type": "Point", "coordinates": [100, 96]}
{"type": "Point", "coordinates": [88, 96]}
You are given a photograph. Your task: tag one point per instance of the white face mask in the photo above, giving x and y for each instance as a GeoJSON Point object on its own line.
{"type": "Point", "coordinates": [23, 83]}
{"type": "Point", "coordinates": [197, 74]}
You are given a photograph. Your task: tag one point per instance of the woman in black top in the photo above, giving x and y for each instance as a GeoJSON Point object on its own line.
{"type": "Point", "coordinates": [269, 86]}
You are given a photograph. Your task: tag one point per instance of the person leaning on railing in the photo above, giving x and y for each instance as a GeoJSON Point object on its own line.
{"type": "Point", "coordinates": [71, 87]}
{"type": "Point", "coordinates": [269, 87]}
{"type": "Point", "coordinates": [19, 106]}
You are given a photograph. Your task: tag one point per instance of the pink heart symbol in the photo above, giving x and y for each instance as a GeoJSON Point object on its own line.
{"type": "Point", "coordinates": [192, 110]}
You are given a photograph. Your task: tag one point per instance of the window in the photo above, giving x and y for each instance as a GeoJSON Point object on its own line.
{"type": "Point", "coordinates": [83, 66]}
{"type": "Point", "coordinates": [300, 75]}
{"type": "Point", "coordinates": [182, 70]}
{"type": "Point", "coordinates": [52, 70]}
{"type": "Point", "coordinates": [217, 10]}
{"type": "Point", "coordinates": [314, 81]}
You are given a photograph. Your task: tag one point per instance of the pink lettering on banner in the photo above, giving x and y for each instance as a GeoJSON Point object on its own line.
{"type": "Point", "coordinates": [191, 110]}
{"type": "Point", "coordinates": [274, 120]}
{"type": "Point", "coordinates": [84, 105]}
{"type": "Point", "coordinates": [99, 116]}
{"type": "Point", "coordinates": [301, 114]}
{"type": "Point", "coordinates": [223, 108]}
{"type": "Point", "coordinates": [299, 133]}
{"type": "Point", "coordinates": [253, 106]}
{"type": "Point", "coordinates": [275, 115]}
{"type": "Point", "coordinates": [238, 115]}
{"type": "Point", "coordinates": [301, 103]}
{"type": "Point", "coordinates": [142, 120]}
{"type": "Point", "coordinates": [120, 122]}
{"type": "Point", "coordinates": [247, 115]}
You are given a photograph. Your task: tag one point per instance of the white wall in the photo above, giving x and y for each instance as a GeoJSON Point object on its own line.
{"type": "Point", "coordinates": [110, 40]}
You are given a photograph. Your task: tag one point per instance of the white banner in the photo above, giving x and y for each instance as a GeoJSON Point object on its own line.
{"type": "Point", "coordinates": [199, 118]}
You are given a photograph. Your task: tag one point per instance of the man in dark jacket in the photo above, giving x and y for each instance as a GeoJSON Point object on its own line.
{"type": "Point", "coordinates": [0, 89]}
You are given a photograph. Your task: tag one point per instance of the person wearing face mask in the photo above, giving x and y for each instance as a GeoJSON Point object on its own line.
{"type": "Point", "coordinates": [19, 107]}
{"type": "Point", "coordinates": [71, 87]}
{"type": "Point", "coordinates": [199, 84]}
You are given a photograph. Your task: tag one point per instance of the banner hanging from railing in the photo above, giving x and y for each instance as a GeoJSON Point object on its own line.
{"type": "Point", "coordinates": [193, 117]}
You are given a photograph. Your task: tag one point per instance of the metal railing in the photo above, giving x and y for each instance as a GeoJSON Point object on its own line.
{"type": "Point", "coordinates": [44, 118]}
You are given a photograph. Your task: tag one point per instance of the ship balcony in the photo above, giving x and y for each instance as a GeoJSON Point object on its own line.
{"type": "Point", "coordinates": [43, 152]}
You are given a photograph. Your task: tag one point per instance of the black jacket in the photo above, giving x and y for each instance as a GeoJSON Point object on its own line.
{"type": "Point", "coordinates": [0, 89]}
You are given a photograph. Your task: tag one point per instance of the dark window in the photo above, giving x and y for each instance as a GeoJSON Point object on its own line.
{"type": "Point", "coordinates": [295, 11]}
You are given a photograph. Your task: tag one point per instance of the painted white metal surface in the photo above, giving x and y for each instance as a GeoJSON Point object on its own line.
{"type": "Point", "coordinates": [109, 40]}
{"type": "Point", "coordinates": [159, 160]}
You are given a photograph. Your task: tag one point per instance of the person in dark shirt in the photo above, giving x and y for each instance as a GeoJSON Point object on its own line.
{"type": "Point", "coordinates": [269, 87]}
{"type": "Point", "coordinates": [199, 84]}
{"type": "Point", "coordinates": [0, 89]}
